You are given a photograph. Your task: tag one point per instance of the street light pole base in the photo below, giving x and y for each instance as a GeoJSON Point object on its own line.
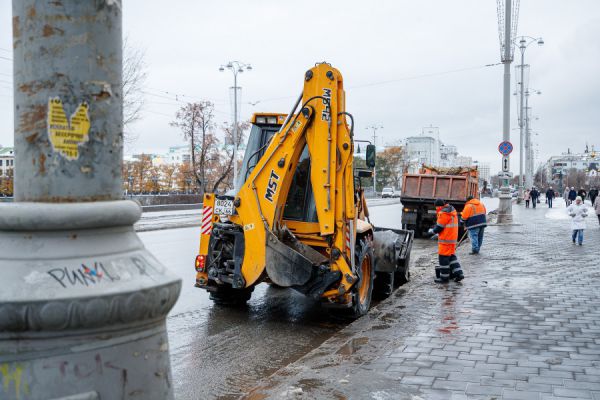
{"type": "Point", "coordinates": [83, 303]}
{"type": "Point", "coordinates": [505, 207]}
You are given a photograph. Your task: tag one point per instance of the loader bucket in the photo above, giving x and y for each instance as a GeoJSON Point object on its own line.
{"type": "Point", "coordinates": [392, 249]}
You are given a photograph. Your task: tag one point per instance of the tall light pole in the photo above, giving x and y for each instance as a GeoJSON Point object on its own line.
{"type": "Point", "coordinates": [507, 27]}
{"type": "Point", "coordinates": [528, 150]}
{"type": "Point", "coordinates": [83, 303]}
{"type": "Point", "coordinates": [524, 42]}
{"type": "Point", "coordinates": [235, 67]}
{"type": "Point", "coordinates": [375, 128]}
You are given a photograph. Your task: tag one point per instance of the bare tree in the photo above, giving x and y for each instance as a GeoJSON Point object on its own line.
{"type": "Point", "coordinates": [196, 121]}
{"type": "Point", "coordinates": [134, 78]}
{"type": "Point", "coordinates": [168, 171]}
{"type": "Point", "coordinates": [223, 160]}
{"type": "Point", "coordinates": [141, 172]}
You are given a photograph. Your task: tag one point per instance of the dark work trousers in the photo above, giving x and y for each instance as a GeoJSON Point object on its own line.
{"type": "Point", "coordinates": [526, 203]}
{"type": "Point", "coordinates": [449, 268]}
{"type": "Point", "coordinates": [549, 202]}
{"type": "Point", "coordinates": [534, 201]}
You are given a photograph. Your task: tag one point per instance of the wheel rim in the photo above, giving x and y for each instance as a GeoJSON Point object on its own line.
{"type": "Point", "coordinates": [365, 281]}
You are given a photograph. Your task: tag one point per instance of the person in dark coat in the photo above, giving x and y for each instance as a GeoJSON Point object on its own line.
{"type": "Point", "coordinates": [572, 195]}
{"type": "Point", "coordinates": [593, 194]}
{"type": "Point", "coordinates": [549, 196]}
{"type": "Point", "coordinates": [534, 196]}
{"type": "Point", "coordinates": [583, 194]}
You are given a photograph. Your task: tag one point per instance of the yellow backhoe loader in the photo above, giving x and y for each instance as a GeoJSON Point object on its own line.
{"type": "Point", "coordinates": [299, 218]}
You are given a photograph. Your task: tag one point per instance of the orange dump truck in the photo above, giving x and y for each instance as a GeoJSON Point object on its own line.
{"type": "Point", "coordinates": [419, 192]}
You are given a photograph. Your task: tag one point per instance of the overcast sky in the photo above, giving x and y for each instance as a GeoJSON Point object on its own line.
{"type": "Point", "coordinates": [406, 65]}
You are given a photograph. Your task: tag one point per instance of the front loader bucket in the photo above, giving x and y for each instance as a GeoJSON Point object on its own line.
{"type": "Point", "coordinates": [392, 248]}
{"type": "Point", "coordinates": [285, 266]}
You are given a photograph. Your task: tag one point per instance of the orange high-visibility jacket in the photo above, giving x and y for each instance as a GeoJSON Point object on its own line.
{"type": "Point", "coordinates": [447, 226]}
{"type": "Point", "coordinates": [474, 214]}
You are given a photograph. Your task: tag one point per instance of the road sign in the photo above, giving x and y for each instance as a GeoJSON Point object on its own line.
{"type": "Point", "coordinates": [505, 148]}
{"type": "Point", "coordinates": [505, 163]}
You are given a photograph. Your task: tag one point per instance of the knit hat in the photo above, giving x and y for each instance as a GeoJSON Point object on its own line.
{"type": "Point", "coordinates": [439, 202]}
{"type": "Point", "coordinates": [578, 198]}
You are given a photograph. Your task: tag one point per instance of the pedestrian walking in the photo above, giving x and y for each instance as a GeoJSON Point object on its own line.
{"type": "Point", "coordinates": [550, 196]}
{"type": "Point", "coordinates": [534, 196]}
{"type": "Point", "coordinates": [597, 209]}
{"type": "Point", "coordinates": [572, 195]}
{"type": "Point", "coordinates": [593, 194]}
{"type": "Point", "coordinates": [527, 197]}
{"type": "Point", "coordinates": [578, 213]}
{"type": "Point", "coordinates": [583, 194]}
{"type": "Point", "coordinates": [566, 196]}
{"type": "Point", "coordinates": [474, 217]}
{"type": "Point", "coordinates": [446, 228]}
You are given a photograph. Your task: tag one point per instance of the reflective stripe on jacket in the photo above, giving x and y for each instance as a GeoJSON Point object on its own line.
{"type": "Point", "coordinates": [474, 214]}
{"type": "Point", "coordinates": [447, 227]}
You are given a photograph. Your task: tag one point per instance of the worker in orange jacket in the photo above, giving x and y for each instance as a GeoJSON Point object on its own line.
{"type": "Point", "coordinates": [446, 228]}
{"type": "Point", "coordinates": [474, 216]}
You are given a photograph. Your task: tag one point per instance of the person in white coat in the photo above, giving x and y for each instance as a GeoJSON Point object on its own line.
{"type": "Point", "coordinates": [578, 212]}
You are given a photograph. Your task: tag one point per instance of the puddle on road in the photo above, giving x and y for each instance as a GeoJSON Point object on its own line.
{"type": "Point", "coordinates": [310, 383]}
{"type": "Point", "coordinates": [380, 327]}
{"type": "Point", "coordinates": [352, 346]}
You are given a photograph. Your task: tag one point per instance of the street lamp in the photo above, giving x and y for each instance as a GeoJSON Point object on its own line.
{"type": "Point", "coordinates": [524, 42]}
{"type": "Point", "coordinates": [375, 128]}
{"type": "Point", "coordinates": [528, 151]}
{"type": "Point", "coordinates": [508, 11]}
{"type": "Point", "coordinates": [235, 67]}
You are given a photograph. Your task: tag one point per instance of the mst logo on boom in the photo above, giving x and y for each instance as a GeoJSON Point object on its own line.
{"type": "Point", "coordinates": [272, 186]}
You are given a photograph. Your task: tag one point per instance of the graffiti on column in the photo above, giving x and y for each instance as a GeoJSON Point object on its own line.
{"type": "Point", "coordinates": [12, 380]}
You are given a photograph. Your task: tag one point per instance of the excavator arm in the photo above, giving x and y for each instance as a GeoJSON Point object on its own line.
{"type": "Point", "coordinates": [321, 125]}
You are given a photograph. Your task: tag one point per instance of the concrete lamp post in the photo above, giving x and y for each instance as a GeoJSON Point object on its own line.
{"type": "Point", "coordinates": [83, 303]}
{"type": "Point", "coordinates": [236, 67]}
{"type": "Point", "coordinates": [524, 42]}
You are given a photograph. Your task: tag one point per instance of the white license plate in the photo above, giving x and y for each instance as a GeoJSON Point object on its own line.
{"type": "Point", "coordinates": [224, 207]}
{"type": "Point", "coordinates": [432, 211]}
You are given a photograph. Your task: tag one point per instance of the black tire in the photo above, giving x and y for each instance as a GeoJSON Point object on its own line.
{"type": "Point", "coordinates": [383, 285]}
{"type": "Point", "coordinates": [362, 291]}
{"type": "Point", "coordinates": [225, 295]}
{"type": "Point", "coordinates": [402, 275]}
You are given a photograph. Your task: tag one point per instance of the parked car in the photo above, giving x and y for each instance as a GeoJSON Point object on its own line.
{"type": "Point", "coordinates": [389, 192]}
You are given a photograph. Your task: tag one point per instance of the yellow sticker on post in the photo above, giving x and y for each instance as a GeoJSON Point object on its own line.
{"type": "Point", "coordinates": [66, 135]}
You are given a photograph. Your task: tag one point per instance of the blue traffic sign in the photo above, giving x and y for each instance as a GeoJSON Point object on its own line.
{"type": "Point", "coordinates": [505, 148]}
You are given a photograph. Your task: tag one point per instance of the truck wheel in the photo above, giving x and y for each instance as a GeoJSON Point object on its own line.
{"type": "Point", "coordinates": [227, 296]}
{"type": "Point", "coordinates": [402, 276]}
{"type": "Point", "coordinates": [383, 285]}
{"type": "Point", "coordinates": [362, 291]}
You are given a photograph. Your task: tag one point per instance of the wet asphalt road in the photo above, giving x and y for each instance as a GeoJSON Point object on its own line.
{"type": "Point", "coordinates": [219, 352]}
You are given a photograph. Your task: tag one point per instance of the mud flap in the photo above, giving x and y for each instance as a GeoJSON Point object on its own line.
{"type": "Point", "coordinates": [285, 266]}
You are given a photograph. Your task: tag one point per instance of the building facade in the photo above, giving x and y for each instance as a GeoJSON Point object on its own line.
{"type": "Point", "coordinates": [7, 161]}
{"type": "Point", "coordinates": [559, 168]}
{"type": "Point", "coordinates": [178, 155]}
{"type": "Point", "coordinates": [428, 149]}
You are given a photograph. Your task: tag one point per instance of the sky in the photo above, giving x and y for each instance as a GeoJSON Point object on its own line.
{"type": "Point", "coordinates": [406, 65]}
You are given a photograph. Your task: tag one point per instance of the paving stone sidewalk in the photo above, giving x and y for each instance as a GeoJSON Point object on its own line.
{"type": "Point", "coordinates": [524, 324]}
